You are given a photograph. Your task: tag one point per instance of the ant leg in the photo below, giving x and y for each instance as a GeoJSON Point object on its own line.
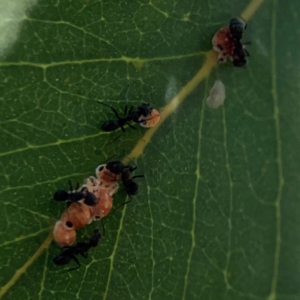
{"type": "Point", "coordinates": [131, 126]}
{"type": "Point", "coordinates": [76, 260]}
{"type": "Point", "coordinates": [138, 176]}
{"type": "Point", "coordinates": [85, 255]}
{"type": "Point", "coordinates": [125, 110]}
{"type": "Point", "coordinates": [131, 169]}
{"type": "Point", "coordinates": [83, 190]}
{"type": "Point", "coordinates": [102, 226]}
{"type": "Point", "coordinates": [240, 17]}
{"type": "Point", "coordinates": [126, 202]}
{"type": "Point", "coordinates": [115, 112]}
{"type": "Point", "coordinates": [110, 158]}
{"type": "Point", "coordinates": [130, 199]}
{"type": "Point", "coordinates": [247, 53]}
{"type": "Point", "coordinates": [115, 140]}
{"type": "Point", "coordinates": [130, 110]}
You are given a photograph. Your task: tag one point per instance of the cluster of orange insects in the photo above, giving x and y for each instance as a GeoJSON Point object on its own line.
{"type": "Point", "coordinates": [93, 200]}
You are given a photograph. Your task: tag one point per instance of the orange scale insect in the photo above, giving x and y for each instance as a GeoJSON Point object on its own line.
{"type": "Point", "coordinates": [64, 233]}
{"type": "Point", "coordinates": [151, 120]}
{"type": "Point", "coordinates": [92, 184]}
{"type": "Point", "coordinates": [79, 214]}
{"type": "Point", "coordinates": [104, 205]}
{"type": "Point", "coordinates": [106, 177]}
{"type": "Point", "coordinates": [223, 42]}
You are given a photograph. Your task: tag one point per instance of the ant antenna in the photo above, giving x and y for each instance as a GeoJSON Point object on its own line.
{"type": "Point", "coordinates": [70, 185]}
{"type": "Point", "coordinates": [72, 269]}
{"type": "Point", "coordinates": [110, 158]}
{"type": "Point", "coordinates": [102, 226]}
{"type": "Point", "coordinates": [137, 176]}
{"type": "Point", "coordinates": [131, 126]}
{"type": "Point", "coordinates": [126, 202]}
{"type": "Point", "coordinates": [132, 162]}
{"type": "Point", "coordinates": [240, 17]}
{"type": "Point", "coordinates": [103, 103]}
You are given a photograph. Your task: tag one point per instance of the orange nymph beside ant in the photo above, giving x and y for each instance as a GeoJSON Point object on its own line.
{"type": "Point", "coordinates": [227, 42]}
{"type": "Point", "coordinates": [150, 120]}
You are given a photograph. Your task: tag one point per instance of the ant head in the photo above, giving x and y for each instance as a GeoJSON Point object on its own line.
{"type": "Point", "coordinates": [145, 109]}
{"type": "Point", "coordinates": [237, 28]}
{"type": "Point", "coordinates": [115, 167]}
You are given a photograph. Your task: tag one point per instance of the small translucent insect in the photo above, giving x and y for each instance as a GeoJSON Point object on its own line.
{"type": "Point", "coordinates": [217, 95]}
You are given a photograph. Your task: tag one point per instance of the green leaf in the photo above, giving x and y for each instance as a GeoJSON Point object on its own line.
{"type": "Point", "coordinates": [216, 216]}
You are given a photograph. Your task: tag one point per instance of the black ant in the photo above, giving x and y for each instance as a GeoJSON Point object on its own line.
{"type": "Point", "coordinates": [81, 248]}
{"type": "Point", "coordinates": [70, 197]}
{"type": "Point", "coordinates": [131, 187]}
{"type": "Point", "coordinates": [130, 116]}
{"type": "Point", "coordinates": [237, 28]}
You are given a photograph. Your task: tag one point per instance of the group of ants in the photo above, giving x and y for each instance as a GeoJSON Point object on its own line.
{"type": "Point", "coordinates": [93, 200]}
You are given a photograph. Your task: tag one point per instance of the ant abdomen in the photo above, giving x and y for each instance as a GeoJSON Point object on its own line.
{"type": "Point", "coordinates": [131, 187]}
{"type": "Point", "coordinates": [61, 195]}
{"type": "Point", "coordinates": [110, 125]}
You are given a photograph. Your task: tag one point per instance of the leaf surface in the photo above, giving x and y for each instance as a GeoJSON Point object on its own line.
{"type": "Point", "coordinates": [217, 214]}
